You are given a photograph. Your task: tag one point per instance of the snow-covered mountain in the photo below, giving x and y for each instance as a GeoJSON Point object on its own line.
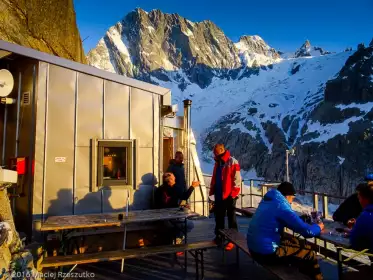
{"type": "Point", "coordinates": [250, 97]}
{"type": "Point", "coordinates": [157, 44]}
{"type": "Point", "coordinates": [306, 50]}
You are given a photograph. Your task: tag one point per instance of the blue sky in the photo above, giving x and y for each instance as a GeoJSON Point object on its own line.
{"type": "Point", "coordinates": [285, 25]}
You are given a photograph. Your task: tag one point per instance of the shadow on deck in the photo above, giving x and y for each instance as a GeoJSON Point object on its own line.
{"type": "Point", "coordinates": [160, 267]}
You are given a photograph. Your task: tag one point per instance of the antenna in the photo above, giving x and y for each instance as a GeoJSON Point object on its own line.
{"type": "Point", "coordinates": [6, 83]}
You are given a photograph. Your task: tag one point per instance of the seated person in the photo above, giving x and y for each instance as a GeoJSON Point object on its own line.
{"type": "Point", "coordinates": [167, 196]}
{"type": "Point", "coordinates": [361, 236]}
{"type": "Point", "coordinates": [350, 209]}
{"type": "Point", "coordinates": [265, 234]}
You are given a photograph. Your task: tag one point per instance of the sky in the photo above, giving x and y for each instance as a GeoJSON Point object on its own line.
{"type": "Point", "coordinates": [283, 24]}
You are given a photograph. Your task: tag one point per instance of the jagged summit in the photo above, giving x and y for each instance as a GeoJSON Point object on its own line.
{"type": "Point", "coordinates": [154, 43]}
{"type": "Point", "coordinates": [307, 50]}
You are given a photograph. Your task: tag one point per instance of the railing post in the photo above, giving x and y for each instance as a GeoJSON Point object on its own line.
{"type": "Point", "coordinates": [264, 190]}
{"type": "Point", "coordinates": [316, 202]}
{"type": "Point", "coordinates": [251, 193]}
{"type": "Point", "coordinates": [241, 193]}
{"type": "Point", "coordinates": [325, 206]}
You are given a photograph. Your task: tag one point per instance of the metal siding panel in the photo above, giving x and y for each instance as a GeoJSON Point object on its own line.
{"type": "Point", "coordinates": [85, 200]}
{"type": "Point", "coordinates": [145, 165]}
{"type": "Point", "coordinates": [89, 109]}
{"type": "Point", "coordinates": [156, 136]}
{"type": "Point", "coordinates": [39, 139]}
{"type": "Point", "coordinates": [142, 117]}
{"type": "Point", "coordinates": [60, 141]}
{"type": "Point", "coordinates": [116, 111]}
{"type": "Point", "coordinates": [114, 199]}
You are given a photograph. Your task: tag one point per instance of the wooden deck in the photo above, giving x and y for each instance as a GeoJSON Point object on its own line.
{"type": "Point", "coordinates": [160, 268]}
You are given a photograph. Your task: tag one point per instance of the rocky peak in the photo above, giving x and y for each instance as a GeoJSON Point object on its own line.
{"type": "Point", "coordinates": [354, 82]}
{"type": "Point", "coordinates": [371, 43]}
{"type": "Point", "coordinates": [155, 44]}
{"type": "Point", "coordinates": [307, 50]}
{"type": "Point", "coordinates": [255, 49]}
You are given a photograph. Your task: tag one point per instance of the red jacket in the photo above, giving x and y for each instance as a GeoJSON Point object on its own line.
{"type": "Point", "coordinates": [231, 177]}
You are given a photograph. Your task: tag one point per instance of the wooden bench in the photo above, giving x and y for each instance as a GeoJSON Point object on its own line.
{"type": "Point", "coordinates": [195, 249]}
{"type": "Point", "coordinates": [282, 272]}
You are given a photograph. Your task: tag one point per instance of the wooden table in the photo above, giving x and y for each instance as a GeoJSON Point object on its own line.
{"type": "Point", "coordinates": [329, 234]}
{"type": "Point", "coordinates": [57, 223]}
{"type": "Point", "coordinates": [73, 222]}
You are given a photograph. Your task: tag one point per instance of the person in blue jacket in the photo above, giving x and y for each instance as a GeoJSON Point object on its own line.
{"type": "Point", "coordinates": [265, 238]}
{"type": "Point", "coordinates": [361, 236]}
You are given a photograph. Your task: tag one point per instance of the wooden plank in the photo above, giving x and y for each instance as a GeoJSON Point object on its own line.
{"type": "Point", "coordinates": [56, 223]}
{"type": "Point", "coordinates": [247, 211]}
{"type": "Point", "coordinates": [281, 271]}
{"type": "Point", "coordinates": [123, 254]}
{"type": "Point", "coordinates": [236, 238]}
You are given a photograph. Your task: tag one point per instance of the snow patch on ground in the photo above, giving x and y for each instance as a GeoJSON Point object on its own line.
{"type": "Point", "coordinates": [329, 131]}
{"type": "Point", "coordinates": [341, 160]}
{"type": "Point", "coordinates": [243, 129]}
{"type": "Point", "coordinates": [364, 107]}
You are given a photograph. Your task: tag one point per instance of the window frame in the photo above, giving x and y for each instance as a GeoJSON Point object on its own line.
{"type": "Point", "coordinates": [101, 144]}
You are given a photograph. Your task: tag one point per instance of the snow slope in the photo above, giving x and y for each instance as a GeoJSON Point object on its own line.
{"type": "Point", "coordinates": [275, 93]}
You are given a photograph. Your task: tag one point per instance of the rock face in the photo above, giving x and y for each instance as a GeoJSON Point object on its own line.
{"type": "Point", "coordinates": [332, 129]}
{"type": "Point", "coordinates": [355, 81]}
{"type": "Point", "coordinates": [154, 44]}
{"type": "Point", "coordinates": [48, 26]}
{"type": "Point", "coordinates": [306, 50]}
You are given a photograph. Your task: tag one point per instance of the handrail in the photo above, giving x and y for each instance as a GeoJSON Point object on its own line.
{"type": "Point", "coordinates": [315, 195]}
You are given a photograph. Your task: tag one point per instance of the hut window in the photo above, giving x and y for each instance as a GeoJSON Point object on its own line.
{"type": "Point", "coordinates": [114, 163]}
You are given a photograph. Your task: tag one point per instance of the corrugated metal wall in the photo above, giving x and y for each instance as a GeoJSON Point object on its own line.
{"type": "Point", "coordinates": [72, 109]}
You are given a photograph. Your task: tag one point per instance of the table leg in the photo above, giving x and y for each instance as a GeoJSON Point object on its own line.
{"type": "Point", "coordinates": [202, 265]}
{"type": "Point", "coordinates": [124, 247]}
{"type": "Point", "coordinates": [197, 264]}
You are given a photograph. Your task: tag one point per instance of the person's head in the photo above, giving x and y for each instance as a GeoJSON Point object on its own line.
{"type": "Point", "coordinates": [287, 189]}
{"type": "Point", "coordinates": [179, 157]}
{"type": "Point", "coordinates": [365, 194]}
{"type": "Point", "coordinates": [169, 179]}
{"type": "Point", "coordinates": [219, 149]}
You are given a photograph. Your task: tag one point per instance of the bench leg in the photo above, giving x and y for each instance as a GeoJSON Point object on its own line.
{"type": "Point", "coordinates": [186, 241]}
{"type": "Point", "coordinates": [70, 271]}
{"type": "Point", "coordinates": [340, 264]}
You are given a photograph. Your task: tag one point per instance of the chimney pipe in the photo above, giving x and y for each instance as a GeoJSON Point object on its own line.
{"type": "Point", "coordinates": [187, 130]}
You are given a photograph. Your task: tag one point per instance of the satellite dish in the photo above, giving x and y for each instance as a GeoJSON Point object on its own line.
{"type": "Point", "coordinates": [6, 82]}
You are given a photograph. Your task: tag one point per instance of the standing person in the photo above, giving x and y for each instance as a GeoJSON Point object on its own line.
{"type": "Point", "coordinates": [265, 238]}
{"type": "Point", "coordinates": [225, 186]}
{"type": "Point", "coordinates": [176, 167]}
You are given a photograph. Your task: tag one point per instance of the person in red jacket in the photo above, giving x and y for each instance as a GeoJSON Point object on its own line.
{"type": "Point", "coordinates": [225, 186]}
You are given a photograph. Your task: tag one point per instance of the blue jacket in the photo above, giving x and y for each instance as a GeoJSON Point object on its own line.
{"type": "Point", "coordinates": [361, 236]}
{"type": "Point", "coordinates": [273, 214]}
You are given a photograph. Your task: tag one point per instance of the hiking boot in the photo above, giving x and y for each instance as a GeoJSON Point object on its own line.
{"type": "Point", "coordinates": [229, 246]}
